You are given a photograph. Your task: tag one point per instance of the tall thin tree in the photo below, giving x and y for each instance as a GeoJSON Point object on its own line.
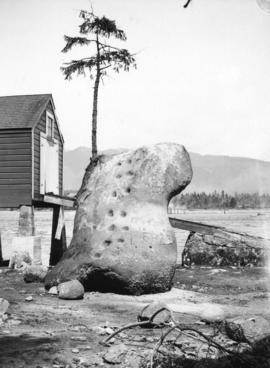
{"type": "Point", "coordinates": [104, 58]}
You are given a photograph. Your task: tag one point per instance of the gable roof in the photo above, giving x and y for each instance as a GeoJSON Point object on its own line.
{"type": "Point", "coordinates": [24, 111]}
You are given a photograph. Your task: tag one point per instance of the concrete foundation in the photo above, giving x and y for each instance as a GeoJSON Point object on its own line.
{"type": "Point", "coordinates": [26, 221]}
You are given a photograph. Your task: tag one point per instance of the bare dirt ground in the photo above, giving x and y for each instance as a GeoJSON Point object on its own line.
{"type": "Point", "coordinates": [49, 332]}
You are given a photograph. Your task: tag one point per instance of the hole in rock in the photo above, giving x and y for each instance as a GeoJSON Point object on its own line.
{"type": "Point", "coordinates": [105, 280]}
{"type": "Point", "coordinates": [119, 176]}
{"type": "Point", "coordinates": [97, 255]}
{"type": "Point", "coordinates": [110, 213]}
{"type": "Point", "coordinates": [121, 240]}
{"type": "Point", "coordinates": [119, 163]}
{"type": "Point", "coordinates": [150, 246]}
{"type": "Point", "coordinates": [128, 190]}
{"type": "Point", "coordinates": [107, 242]}
{"type": "Point", "coordinates": [130, 172]}
{"type": "Point", "coordinates": [114, 194]}
{"type": "Point", "coordinates": [125, 228]}
{"type": "Point", "coordinates": [123, 213]}
{"type": "Point", "coordinates": [129, 161]}
{"type": "Point", "coordinates": [112, 227]}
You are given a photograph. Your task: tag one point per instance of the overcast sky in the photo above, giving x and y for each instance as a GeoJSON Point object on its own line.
{"type": "Point", "coordinates": [203, 76]}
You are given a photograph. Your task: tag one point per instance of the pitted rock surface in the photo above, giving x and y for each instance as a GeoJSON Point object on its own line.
{"type": "Point", "coordinates": [122, 240]}
{"type": "Point", "coordinates": [225, 249]}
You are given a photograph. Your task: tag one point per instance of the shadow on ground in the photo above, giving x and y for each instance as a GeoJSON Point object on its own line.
{"type": "Point", "coordinates": [25, 348]}
{"type": "Point", "coordinates": [257, 357]}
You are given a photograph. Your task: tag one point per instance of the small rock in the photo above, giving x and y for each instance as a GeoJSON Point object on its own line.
{"type": "Point", "coordinates": [76, 360]}
{"type": "Point", "coordinates": [53, 290]}
{"type": "Point", "coordinates": [122, 335]}
{"type": "Point", "coordinates": [4, 304]}
{"type": "Point", "coordinates": [243, 348]}
{"type": "Point", "coordinates": [99, 330]}
{"type": "Point", "coordinates": [29, 298]}
{"type": "Point", "coordinates": [152, 308]}
{"type": "Point", "coordinates": [216, 270]}
{"type": "Point", "coordinates": [71, 290]}
{"type": "Point", "coordinates": [35, 273]}
{"type": "Point", "coordinates": [201, 290]}
{"type": "Point", "coordinates": [95, 361]}
{"type": "Point", "coordinates": [87, 347]}
{"type": "Point", "coordinates": [115, 354]}
{"type": "Point", "coordinates": [4, 317]}
{"type": "Point", "coordinates": [211, 313]}
{"type": "Point", "coordinates": [78, 338]}
{"type": "Point", "coordinates": [15, 322]}
{"type": "Point", "coordinates": [109, 330]}
{"type": "Point", "coordinates": [77, 328]}
{"type": "Point", "coordinates": [75, 351]}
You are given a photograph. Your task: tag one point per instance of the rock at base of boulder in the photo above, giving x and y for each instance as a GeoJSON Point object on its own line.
{"type": "Point", "coordinates": [35, 273]}
{"type": "Point", "coordinates": [53, 290]}
{"type": "Point", "coordinates": [71, 290]}
{"type": "Point", "coordinates": [213, 250]}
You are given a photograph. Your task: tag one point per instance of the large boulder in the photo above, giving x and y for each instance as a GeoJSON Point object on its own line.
{"type": "Point", "coordinates": [251, 330]}
{"type": "Point", "coordinates": [122, 240]}
{"type": "Point", "coordinates": [224, 249]}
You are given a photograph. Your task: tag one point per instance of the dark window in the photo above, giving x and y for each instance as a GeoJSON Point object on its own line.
{"type": "Point", "coordinates": [50, 126]}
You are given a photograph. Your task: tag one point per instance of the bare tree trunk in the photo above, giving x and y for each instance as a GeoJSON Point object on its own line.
{"type": "Point", "coordinates": [95, 103]}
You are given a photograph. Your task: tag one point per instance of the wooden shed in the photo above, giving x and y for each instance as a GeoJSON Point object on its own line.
{"type": "Point", "coordinates": [31, 159]}
{"type": "Point", "coordinates": [31, 150]}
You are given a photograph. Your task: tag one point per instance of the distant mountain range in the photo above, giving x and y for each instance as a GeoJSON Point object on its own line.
{"type": "Point", "coordinates": [210, 172]}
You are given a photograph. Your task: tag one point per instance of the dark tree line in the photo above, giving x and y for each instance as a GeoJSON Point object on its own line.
{"type": "Point", "coordinates": [221, 200]}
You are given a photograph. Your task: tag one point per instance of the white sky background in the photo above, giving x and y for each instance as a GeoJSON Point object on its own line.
{"type": "Point", "coordinates": [203, 76]}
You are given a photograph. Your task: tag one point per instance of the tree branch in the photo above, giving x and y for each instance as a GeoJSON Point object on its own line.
{"type": "Point", "coordinates": [187, 4]}
{"type": "Point", "coordinates": [73, 41]}
{"type": "Point", "coordinates": [105, 67]}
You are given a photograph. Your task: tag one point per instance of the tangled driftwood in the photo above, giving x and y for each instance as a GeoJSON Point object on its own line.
{"type": "Point", "coordinates": [172, 325]}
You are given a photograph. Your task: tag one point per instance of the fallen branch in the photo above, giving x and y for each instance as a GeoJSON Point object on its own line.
{"type": "Point", "coordinates": [126, 327]}
{"type": "Point", "coordinates": [190, 332]}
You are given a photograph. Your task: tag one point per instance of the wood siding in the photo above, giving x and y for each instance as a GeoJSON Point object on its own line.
{"type": "Point", "coordinates": [41, 127]}
{"type": "Point", "coordinates": [15, 167]}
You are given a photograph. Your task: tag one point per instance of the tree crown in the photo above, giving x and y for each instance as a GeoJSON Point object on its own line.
{"type": "Point", "coordinates": [106, 56]}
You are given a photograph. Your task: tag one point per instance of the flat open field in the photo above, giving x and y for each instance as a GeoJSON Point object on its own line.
{"type": "Point", "coordinates": [48, 332]}
{"type": "Point", "coordinates": [253, 222]}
